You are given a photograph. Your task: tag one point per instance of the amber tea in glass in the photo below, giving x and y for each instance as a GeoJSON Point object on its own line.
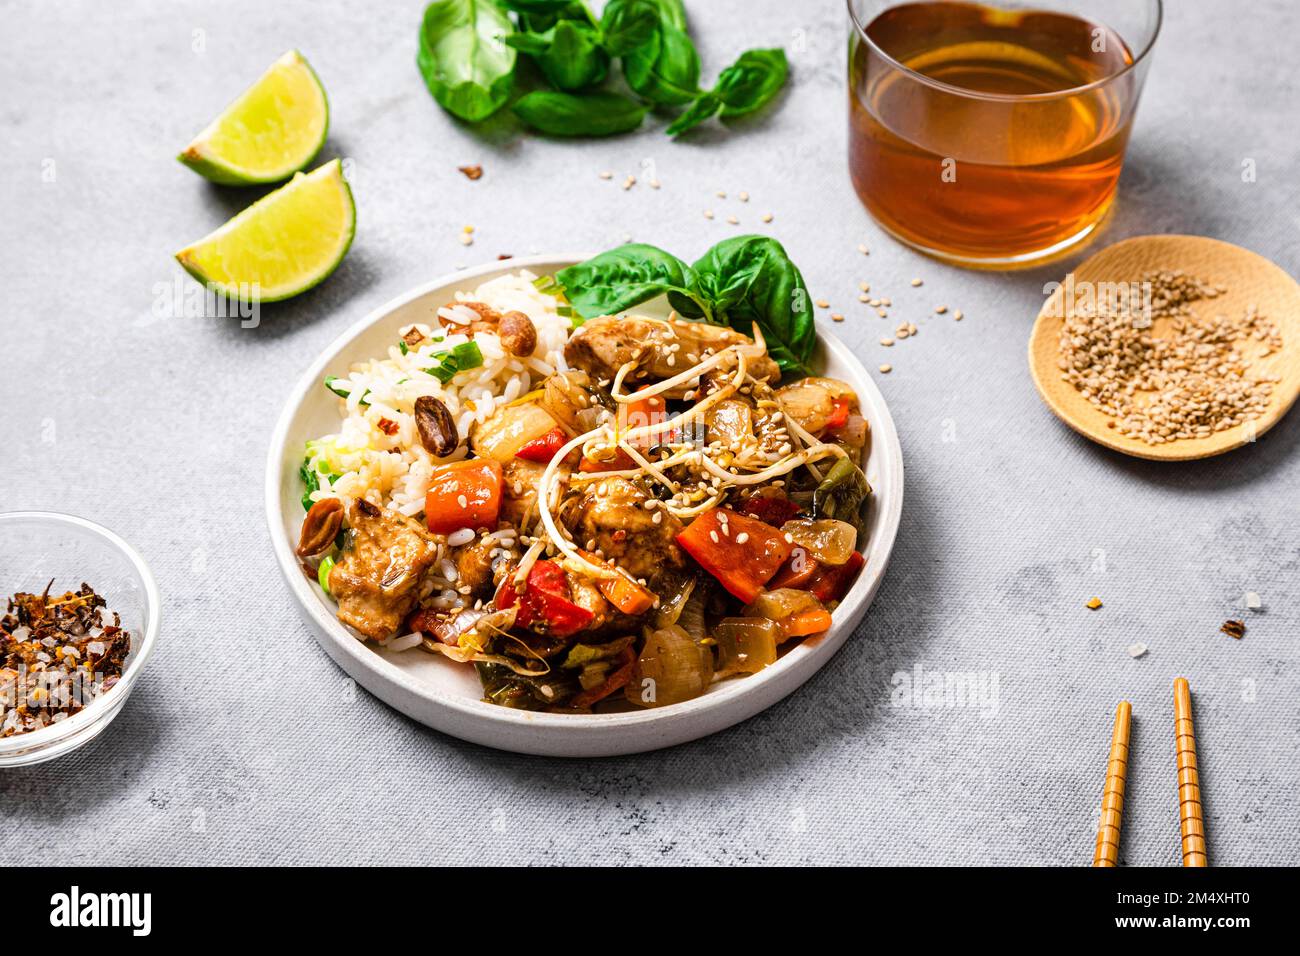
{"type": "Point", "coordinates": [993, 134]}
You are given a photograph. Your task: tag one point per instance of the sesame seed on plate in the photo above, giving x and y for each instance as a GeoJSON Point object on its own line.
{"type": "Point", "coordinates": [886, 368]}
{"type": "Point", "coordinates": [916, 282]}
{"type": "Point", "coordinates": [767, 217]}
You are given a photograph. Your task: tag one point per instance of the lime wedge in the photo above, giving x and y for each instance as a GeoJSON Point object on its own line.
{"type": "Point", "coordinates": [274, 129]}
{"type": "Point", "coordinates": [283, 244]}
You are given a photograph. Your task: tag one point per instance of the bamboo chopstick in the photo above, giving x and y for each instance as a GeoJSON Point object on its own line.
{"type": "Point", "coordinates": [1189, 782]}
{"type": "Point", "coordinates": [1112, 794]}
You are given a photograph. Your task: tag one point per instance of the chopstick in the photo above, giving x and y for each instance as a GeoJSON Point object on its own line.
{"type": "Point", "coordinates": [1112, 794]}
{"type": "Point", "coordinates": [1189, 782]}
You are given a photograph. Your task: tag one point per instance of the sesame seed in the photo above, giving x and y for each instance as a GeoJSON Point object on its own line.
{"type": "Point", "coordinates": [863, 249]}
{"type": "Point", "coordinates": [767, 217]}
{"type": "Point", "coordinates": [742, 537]}
{"type": "Point", "coordinates": [916, 282]}
{"type": "Point", "coordinates": [714, 536]}
{"type": "Point", "coordinates": [940, 309]}
{"type": "Point", "coordinates": [823, 304]}
{"type": "Point", "coordinates": [864, 286]}
{"type": "Point", "coordinates": [722, 194]}
{"type": "Point", "coordinates": [886, 341]}
{"type": "Point", "coordinates": [467, 229]}
{"type": "Point", "coordinates": [863, 298]}
{"type": "Point", "coordinates": [743, 197]}
{"type": "Point", "coordinates": [882, 313]}
{"type": "Point", "coordinates": [733, 220]}
{"type": "Point", "coordinates": [462, 501]}
{"type": "Point", "coordinates": [836, 317]}
{"type": "Point", "coordinates": [607, 174]}
{"type": "Point", "coordinates": [957, 316]}
{"type": "Point", "coordinates": [466, 239]}
{"type": "Point", "coordinates": [708, 214]}
{"type": "Point", "coordinates": [655, 184]}
{"type": "Point", "coordinates": [629, 182]}
{"type": "Point", "coordinates": [886, 369]}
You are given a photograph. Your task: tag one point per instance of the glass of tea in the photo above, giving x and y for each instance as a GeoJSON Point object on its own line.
{"type": "Point", "coordinates": [992, 134]}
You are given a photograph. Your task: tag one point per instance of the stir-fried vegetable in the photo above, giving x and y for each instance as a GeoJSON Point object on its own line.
{"type": "Point", "coordinates": [613, 677]}
{"type": "Point", "coordinates": [746, 644]}
{"type": "Point", "coordinates": [543, 449]}
{"type": "Point", "coordinates": [507, 431]}
{"type": "Point", "coordinates": [463, 494]}
{"type": "Point", "coordinates": [670, 669]}
{"type": "Point", "coordinates": [451, 362]}
{"type": "Point", "coordinates": [842, 494]}
{"type": "Point", "coordinates": [620, 590]}
{"type": "Point", "coordinates": [797, 613]}
{"type": "Point", "coordinates": [545, 604]}
{"type": "Point", "coordinates": [775, 510]}
{"type": "Point", "coordinates": [741, 552]}
{"type": "Point", "coordinates": [825, 539]}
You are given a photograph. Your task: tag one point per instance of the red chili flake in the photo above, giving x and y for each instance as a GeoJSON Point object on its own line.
{"type": "Point", "coordinates": [472, 172]}
{"type": "Point", "coordinates": [504, 255]}
{"type": "Point", "coordinates": [387, 426]}
{"type": "Point", "coordinates": [1234, 629]}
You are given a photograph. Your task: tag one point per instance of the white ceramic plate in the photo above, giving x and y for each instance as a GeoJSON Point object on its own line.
{"type": "Point", "coordinates": [447, 696]}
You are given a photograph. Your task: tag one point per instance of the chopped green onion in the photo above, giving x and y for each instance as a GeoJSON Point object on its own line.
{"type": "Point", "coordinates": [332, 383]}
{"type": "Point", "coordinates": [459, 359]}
{"type": "Point", "coordinates": [402, 346]}
{"type": "Point", "coordinates": [323, 574]}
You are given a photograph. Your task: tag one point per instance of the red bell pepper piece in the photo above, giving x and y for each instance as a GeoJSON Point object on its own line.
{"type": "Point", "coordinates": [832, 581]}
{"type": "Point", "coordinates": [543, 449]}
{"type": "Point", "coordinates": [797, 573]}
{"type": "Point", "coordinates": [839, 416]}
{"type": "Point", "coordinates": [545, 601]}
{"type": "Point", "coordinates": [741, 552]}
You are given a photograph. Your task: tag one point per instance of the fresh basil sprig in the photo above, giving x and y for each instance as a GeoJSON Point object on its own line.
{"type": "Point", "coordinates": [468, 57]}
{"type": "Point", "coordinates": [463, 59]}
{"type": "Point", "coordinates": [740, 282]}
{"type": "Point", "coordinates": [747, 85]}
{"type": "Point", "coordinates": [572, 114]}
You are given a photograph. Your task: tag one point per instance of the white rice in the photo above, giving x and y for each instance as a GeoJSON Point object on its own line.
{"type": "Point", "coordinates": [394, 471]}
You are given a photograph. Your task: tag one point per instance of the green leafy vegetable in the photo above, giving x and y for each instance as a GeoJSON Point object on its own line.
{"type": "Point", "coordinates": [750, 279]}
{"type": "Point", "coordinates": [745, 86]}
{"type": "Point", "coordinates": [311, 475]}
{"type": "Point", "coordinates": [570, 54]}
{"type": "Point", "coordinates": [842, 494]}
{"type": "Point", "coordinates": [453, 361]}
{"type": "Point", "coordinates": [629, 24]}
{"type": "Point", "coordinates": [615, 281]}
{"type": "Point", "coordinates": [465, 63]}
{"type": "Point", "coordinates": [571, 114]}
{"type": "Point", "coordinates": [666, 69]}
{"type": "Point", "coordinates": [740, 282]}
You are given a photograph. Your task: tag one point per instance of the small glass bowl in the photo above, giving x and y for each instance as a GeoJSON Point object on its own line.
{"type": "Point", "coordinates": [36, 546]}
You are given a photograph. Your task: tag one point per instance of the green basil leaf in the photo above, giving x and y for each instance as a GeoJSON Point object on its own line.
{"type": "Point", "coordinates": [750, 279]}
{"type": "Point", "coordinates": [568, 114]}
{"type": "Point", "coordinates": [575, 59]}
{"type": "Point", "coordinates": [614, 281]}
{"type": "Point", "coordinates": [465, 63]}
{"type": "Point", "coordinates": [705, 106]}
{"type": "Point", "coordinates": [666, 70]}
{"type": "Point", "coordinates": [671, 12]}
{"type": "Point", "coordinates": [752, 81]}
{"type": "Point", "coordinates": [534, 44]}
{"type": "Point", "coordinates": [628, 25]}
{"type": "Point", "coordinates": [536, 6]}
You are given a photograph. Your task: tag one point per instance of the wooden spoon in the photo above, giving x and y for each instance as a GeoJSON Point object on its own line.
{"type": "Point", "coordinates": [1249, 279]}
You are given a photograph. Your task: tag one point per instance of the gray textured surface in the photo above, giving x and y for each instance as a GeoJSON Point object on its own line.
{"type": "Point", "coordinates": [241, 744]}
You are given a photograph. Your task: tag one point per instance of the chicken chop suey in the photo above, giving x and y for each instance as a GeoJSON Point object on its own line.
{"type": "Point", "coordinates": [660, 515]}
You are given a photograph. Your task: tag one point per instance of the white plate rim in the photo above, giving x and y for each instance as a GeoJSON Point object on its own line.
{"type": "Point", "coordinates": [728, 703]}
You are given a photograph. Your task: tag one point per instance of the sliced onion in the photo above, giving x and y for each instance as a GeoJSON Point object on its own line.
{"type": "Point", "coordinates": [672, 668]}
{"type": "Point", "coordinates": [781, 604]}
{"type": "Point", "coordinates": [826, 539]}
{"type": "Point", "coordinates": [746, 644]}
{"type": "Point", "coordinates": [670, 607]}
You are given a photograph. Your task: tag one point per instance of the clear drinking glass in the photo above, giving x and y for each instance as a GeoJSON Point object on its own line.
{"type": "Point", "coordinates": [993, 134]}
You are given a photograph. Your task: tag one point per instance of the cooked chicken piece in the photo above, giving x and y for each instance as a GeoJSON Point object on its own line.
{"type": "Point", "coordinates": [520, 484]}
{"type": "Point", "coordinates": [571, 398]}
{"type": "Point", "coordinates": [611, 513]}
{"type": "Point", "coordinates": [584, 593]}
{"type": "Point", "coordinates": [474, 565]}
{"type": "Point", "coordinates": [604, 345]}
{"type": "Point", "coordinates": [376, 581]}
